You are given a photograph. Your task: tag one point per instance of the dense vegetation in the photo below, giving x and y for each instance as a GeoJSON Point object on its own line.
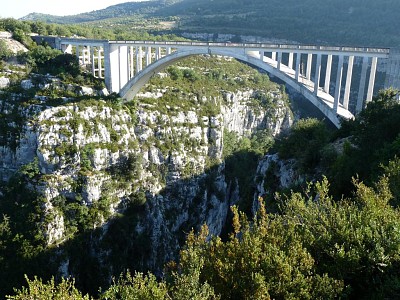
{"type": "Point", "coordinates": [21, 31]}
{"type": "Point", "coordinates": [315, 248]}
{"type": "Point", "coordinates": [310, 21]}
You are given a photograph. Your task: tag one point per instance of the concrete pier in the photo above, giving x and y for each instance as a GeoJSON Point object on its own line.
{"type": "Point", "coordinates": [371, 82]}
{"type": "Point", "coordinates": [338, 84]}
{"type": "Point", "coordinates": [298, 64]}
{"type": "Point", "coordinates": [349, 76]}
{"type": "Point", "coordinates": [317, 74]}
{"type": "Point", "coordinates": [361, 89]}
{"type": "Point", "coordinates": [290, 62]}
{"type": "Point", "coordinates": [328, 73]}
{"type": "Point", "coordinates": [309, 66]}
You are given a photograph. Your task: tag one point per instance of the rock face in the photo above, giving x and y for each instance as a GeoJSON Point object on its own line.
{"type": "Point", "coordinates": [12, 44]}
{"type": "Point", "coordinates": [282, 173]}
{"type": "Point", "coordinates": [243, 119]}
{"type": "Point", "coordinates": [4, 82]}
{"type": "Point", "coordinates": [166, 167]}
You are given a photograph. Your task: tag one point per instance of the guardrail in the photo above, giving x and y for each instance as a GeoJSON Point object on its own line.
{"type": "Point", "coordinates": [294, 47]}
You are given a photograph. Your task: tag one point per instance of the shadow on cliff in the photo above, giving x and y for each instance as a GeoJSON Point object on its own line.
{"type": "Point", "coordinates": [127, 241]}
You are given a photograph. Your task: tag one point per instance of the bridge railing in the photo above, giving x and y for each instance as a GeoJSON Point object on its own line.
{"type": "Point", "coordinates": [294, 47]}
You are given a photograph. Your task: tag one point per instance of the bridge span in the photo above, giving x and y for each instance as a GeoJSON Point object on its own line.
{"type": "Point", "coordinates": [323, 74]}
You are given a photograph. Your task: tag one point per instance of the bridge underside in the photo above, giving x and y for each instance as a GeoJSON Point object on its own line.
{"type": "Point", "coordinates": [323, 101]}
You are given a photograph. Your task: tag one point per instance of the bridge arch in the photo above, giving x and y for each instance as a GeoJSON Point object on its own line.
{"type": "Point", "coordinates": [252, 58]}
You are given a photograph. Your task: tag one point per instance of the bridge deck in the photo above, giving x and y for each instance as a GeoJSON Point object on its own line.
{"type": "Point", "coordinates": [314, 49]}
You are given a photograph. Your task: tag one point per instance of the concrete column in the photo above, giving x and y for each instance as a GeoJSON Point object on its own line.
{"type": "Point", "coordinates": [131, 63]}
{"type": "Point", "coordinates": [328, 74]}
{"type": "Point", "coordinates": [371, 83]}
{"type": "Point", "coordinates": [262, 55]}
{"type": "Point", "coordinates": [123, 66]}
{"type": "Point", "coordinates": [338, 83]}
{"type": "Point", "coordinates": [279, 60]}
{"type": "Point", "coordinates": [158, 53]}
{"type": "Point", "coordinates": [317, 76]}
{"type": "Point", "coordinates": [93, 62]}
{"type": "Point", "coordinates": [111, 62]}
{"type": "Point", "coordinates": [78, 54]}
{"type": "Point", "coordinates": [273, 56]}
{"type": "Point", "coordinates": [148, 56]}
{"type": "Point", "coordinates": [168, 50]}
{"type": "Point", "coordinates": [88, 56]}
{"type": "Point", "coordinates": [290, 63]}
{"type": "Point", "coordinates": [309, 65]}
{"type": "Point", "coordinates": [83, 55]}
{"type": "Point", "coordinates": [298, 62]}
{"type": "Point", "coordinates": [100, 56]}
{"type": "Point", "coordinates": [361, 89]}
{"type": "Point", "coordinates": [349, 76]}
{"type": "Point", "coordinates": [139, 59]}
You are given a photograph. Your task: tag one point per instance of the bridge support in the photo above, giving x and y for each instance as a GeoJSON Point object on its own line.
{"type": "Point", "coordinates": [371, 83]}
{"type": "Point", "coordinates": [346, 97]}
{"type": "Point", "coordinates": [338, 83]}
{"type": "Point", "coordinates": [148, 56]}
{"type": "Point", "coordinates": [309, 66]}
{"type": "Point", "coordinates": [328, 73]}
{"type": "Point", "coordinates": [290, 62]}
{"type": "Point", "coordinates": [139, 59]}
{"type": "Point", "coordinates": [279, 60]}
{"type": "Point", "coordinates": [298, 64]}
{"type": "Point", "coordinates": [317, 75]}
{"type": "Point", "coordinates": [123, 66]}
{"type": "Point", "coordinates": [361, 89]}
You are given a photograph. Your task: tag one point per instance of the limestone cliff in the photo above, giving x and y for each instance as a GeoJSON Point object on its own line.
{"type": "Point", "coordinates": [162, 166]}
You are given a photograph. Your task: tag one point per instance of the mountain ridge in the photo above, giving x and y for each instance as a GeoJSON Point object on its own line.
{"type": "Point", "coordinates": [353, 22]}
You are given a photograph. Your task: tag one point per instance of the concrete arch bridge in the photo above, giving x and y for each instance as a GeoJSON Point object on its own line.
{"type": "Point", "coordinates": [324, 75]}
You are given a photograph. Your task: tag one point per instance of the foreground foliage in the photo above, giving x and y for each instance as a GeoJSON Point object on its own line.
{"type": "Point", "coordinates": [316, 248]}
{"type": "Point", "coordinates": [49, 291]}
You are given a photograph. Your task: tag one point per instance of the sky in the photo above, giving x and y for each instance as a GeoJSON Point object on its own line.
{"type": "Point", "coordinates": [20, 8]}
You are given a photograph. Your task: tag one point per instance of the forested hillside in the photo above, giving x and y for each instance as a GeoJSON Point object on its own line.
{"type": "Point", "coordinates": [353, 22]}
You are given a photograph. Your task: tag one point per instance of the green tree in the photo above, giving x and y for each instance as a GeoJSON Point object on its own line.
{"type": "Point", "coordinates": [264, 259]}
{"type": "Point", "coordinates": [304, 142]}
{"type": "Point", "coordinates": [355, 240]}
{"type": "Point", "coordinates": [175, 73]}
{"type": "Point", "coordinates": [36, 289]}
{"type": "Point", "coordinates": [138, 287]}
{"type": "Point", "coordinates": [5, 52]}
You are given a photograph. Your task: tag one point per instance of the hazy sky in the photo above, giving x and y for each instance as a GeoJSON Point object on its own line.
{"type": "Point", "coordinates": [19, 8]}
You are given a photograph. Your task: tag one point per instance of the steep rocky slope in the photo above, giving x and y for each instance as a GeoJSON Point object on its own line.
{"type": "Point", "coordinates": [138, 175]}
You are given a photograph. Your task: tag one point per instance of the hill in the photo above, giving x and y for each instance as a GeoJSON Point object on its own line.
{"type": "Point", "coordinates": [129, 9]}
{"type": "Point", "coordinates": [353, 22]}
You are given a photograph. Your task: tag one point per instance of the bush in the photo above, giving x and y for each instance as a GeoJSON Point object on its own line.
{"type": "Point", "coordinates": [5, 52]}
{"type": "Point", "coordinates": [138, 287]}
{"type": "Point", "coordinates": [65, 290]}
{"type": "Point", "coordinates": [46, 60]}
{"type": "Point", "coordinates": [304, 142]}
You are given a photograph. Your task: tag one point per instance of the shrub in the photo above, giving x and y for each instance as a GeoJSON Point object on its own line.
{"type": "Point", "coordinates": [304, 142]}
